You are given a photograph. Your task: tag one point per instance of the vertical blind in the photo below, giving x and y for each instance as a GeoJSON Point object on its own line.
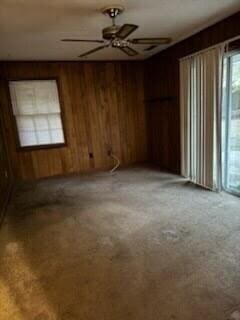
{"type": "Point", "coordinates": [200, 90]}
{"type": "Point", "coordinates": [37, 112]}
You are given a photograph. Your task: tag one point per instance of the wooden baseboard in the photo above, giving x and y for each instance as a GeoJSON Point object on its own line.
{"type": "Point", "coordinates": [86, 171]}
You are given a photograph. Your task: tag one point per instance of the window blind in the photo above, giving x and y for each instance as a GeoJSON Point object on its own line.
{"type": "Point", "coordinates": [200, 88]}
{"type": "Point", "coordinates": [36, 109]}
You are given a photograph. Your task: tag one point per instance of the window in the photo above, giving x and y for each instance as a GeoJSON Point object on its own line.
{"type": "Point", "coordinates": [37, 112]}
{"type": "Point", "coordinates": [231, 124]}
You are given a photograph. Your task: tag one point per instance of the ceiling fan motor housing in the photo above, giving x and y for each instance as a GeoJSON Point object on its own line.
{"type": "Point", "coordinates": [110, 32]}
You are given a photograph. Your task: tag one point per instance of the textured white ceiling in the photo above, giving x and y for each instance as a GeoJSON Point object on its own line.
{"type": "Point", "coordinates": [32, 29]}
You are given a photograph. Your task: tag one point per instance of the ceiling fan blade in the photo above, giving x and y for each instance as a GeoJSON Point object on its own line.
{"type": "Point", "coordinates": [151, 41]}
{"type": "Point", "coordinates": [82, 40]}
{"type": "Point", "coordinates": [129, 51]}
{"type": "Point", "coordinates": [92, 51]}
{"type": "Point", "coordinates": [150, 48]}
{"type": "Point", "coordinates": [126, 30]}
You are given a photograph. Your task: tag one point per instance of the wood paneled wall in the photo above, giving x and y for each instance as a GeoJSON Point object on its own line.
{"type": "Point", "coordinates": [103, 110]}
{"type": "Point", "coordinates": [5, 173]}
{"type": "Point", "coordinates": [162, 90]}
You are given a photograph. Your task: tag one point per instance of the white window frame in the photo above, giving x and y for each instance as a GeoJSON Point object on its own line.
{"type": "Point", "coordinates": [61, 115]}
{"type": "Point", "coordinates": [227, 113]}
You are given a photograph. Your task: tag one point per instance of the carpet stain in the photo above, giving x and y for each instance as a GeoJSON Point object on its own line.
{"type": "Point", "coordinates": [235, 315]}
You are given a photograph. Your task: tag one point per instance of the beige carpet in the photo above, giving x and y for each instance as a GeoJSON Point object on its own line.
{"type": "Point", "coordinates": [136, 245]}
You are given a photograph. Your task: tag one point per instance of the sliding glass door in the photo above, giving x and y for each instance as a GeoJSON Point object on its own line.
{"type": "Point", "coordinates": [231, 124]}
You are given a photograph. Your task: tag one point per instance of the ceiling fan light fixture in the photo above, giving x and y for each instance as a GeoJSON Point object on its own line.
{"type": "Point", "coordinates": [118, 43]}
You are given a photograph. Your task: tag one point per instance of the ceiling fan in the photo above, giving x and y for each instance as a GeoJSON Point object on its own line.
{"type": "Point", "coordinates": [116, 36]}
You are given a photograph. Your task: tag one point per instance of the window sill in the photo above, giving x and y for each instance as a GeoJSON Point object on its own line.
{"type": "Point", "coordinates": [41, 147]}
